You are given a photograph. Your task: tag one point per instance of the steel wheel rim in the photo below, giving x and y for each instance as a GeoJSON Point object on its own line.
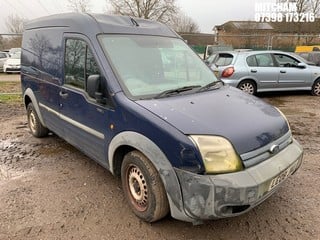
{"type": "Point", "coordinates": [138, 188]}
{"type": "Point", "coordinates": [32, 121]}
{"type": "Point", "coordinates": [247, 87]}
{"type": "Point", "coordinates": [317, 89]}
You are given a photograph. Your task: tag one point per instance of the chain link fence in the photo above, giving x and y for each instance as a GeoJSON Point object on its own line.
{"type": "Point", "coordinates": [199, 41]}
{"type": "Point", "coordinates": [284, 42]}
{"type": "Point", "coordinates": [269, 42]}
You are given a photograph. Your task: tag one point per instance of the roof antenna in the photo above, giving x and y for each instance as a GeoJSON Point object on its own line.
{"type": "Point", "coordinates": [134, 22]}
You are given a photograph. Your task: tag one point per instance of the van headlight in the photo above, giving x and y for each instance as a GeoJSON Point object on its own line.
{"type": "Point", "coordinates": [218, 155]}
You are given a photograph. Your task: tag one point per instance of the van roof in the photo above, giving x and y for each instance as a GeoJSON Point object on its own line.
{"type": "Point", "coordinates": [101, 23]}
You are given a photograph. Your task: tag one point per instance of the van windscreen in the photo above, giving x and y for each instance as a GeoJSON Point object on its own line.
{"type": "Point", "coordinates": [149, 65]}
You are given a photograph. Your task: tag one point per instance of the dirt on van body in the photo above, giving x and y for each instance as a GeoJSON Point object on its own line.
{"type": "Point", "coordinates": [50, 190]}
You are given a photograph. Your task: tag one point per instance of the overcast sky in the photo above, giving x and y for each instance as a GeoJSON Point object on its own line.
{"type": "Point", "coordinates": [206, 13]}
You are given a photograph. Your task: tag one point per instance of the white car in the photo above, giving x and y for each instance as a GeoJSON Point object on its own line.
{"type": "Point", "coordinates": [14, 50]}
{"type": "Point", "coordinates": [3, 57]}
{"type": "Point", "coordinates": [13, 64]}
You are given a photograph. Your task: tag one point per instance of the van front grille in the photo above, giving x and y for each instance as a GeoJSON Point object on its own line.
{"type": "Point", "coordinates": [257, 156]}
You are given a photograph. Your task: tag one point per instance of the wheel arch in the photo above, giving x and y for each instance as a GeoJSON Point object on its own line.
{"type": "Point", "coordinates": [128, 141]}
{"type": "Point", "coordinates": [29, 97]}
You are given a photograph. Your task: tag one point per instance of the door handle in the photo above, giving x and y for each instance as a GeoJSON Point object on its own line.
{"type": "Point", "coordinates": [254, 70]}
{"type": "Point", "coordinates": [283, 71]}
{"type": "Point", "coordinates": [63, 94]}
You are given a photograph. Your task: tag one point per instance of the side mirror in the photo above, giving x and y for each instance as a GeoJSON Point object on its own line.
{"type": "Point", "coordinates": [94, 89]}
{"type": "Point", "coordinates": [301, 65]}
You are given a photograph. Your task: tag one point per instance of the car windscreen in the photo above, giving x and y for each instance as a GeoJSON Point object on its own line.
{"type": "Point", "coordinates": [16, 55]}
{"type": "Point", "coordinates": [300, 58]}
{"type": "Point", "coordinates": [147, 66]}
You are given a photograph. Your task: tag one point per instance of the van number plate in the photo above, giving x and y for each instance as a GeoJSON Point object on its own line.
{"type": "Point", "coordinates": [281, 177]}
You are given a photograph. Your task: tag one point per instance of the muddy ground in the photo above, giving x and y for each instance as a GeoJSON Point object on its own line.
{"type": "Point", "coordinates": [50, 190]}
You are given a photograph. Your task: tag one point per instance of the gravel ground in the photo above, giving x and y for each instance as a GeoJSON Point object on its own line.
{"type": "Point", "coordinates": [50, 190]}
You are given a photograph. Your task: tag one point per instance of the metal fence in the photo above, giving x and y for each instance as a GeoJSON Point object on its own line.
{"type": "Point", "coordinates": [285, 42]}
{"type": "Point", "coordinates": [275, 41]}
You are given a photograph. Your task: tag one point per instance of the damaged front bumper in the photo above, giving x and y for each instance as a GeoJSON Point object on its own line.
{"type": "Point", "coordinates": [225, 195]}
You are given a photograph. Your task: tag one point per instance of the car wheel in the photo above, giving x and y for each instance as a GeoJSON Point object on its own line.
{"type": "Point", "coordinates": [36, 128]}
{"type": "Point", "coordinates": [315, 91]}
{"type": "Point", "coordinates": [248, 87]}
{"type": "Point", "coordinates": [143, 187]}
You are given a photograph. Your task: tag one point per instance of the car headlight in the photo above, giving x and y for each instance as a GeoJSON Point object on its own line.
{"type": "Point", "coordinates": [218, 155]}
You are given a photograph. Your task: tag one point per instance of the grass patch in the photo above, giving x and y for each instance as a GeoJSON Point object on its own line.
{"type": "Point", "coordinates": [10, 98]}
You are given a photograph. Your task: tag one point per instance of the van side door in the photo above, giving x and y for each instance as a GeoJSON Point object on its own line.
{"type": "Point", "coordinates": [85, 118]}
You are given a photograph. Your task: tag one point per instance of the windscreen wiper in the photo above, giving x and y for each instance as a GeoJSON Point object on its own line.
{"type": "Point", "coordinates": [212, 85]}
{"type": "Point", "coordinates": [176, 91]}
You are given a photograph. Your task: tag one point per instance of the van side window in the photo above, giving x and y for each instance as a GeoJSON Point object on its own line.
{"type": "Point", "coordinates": [79, 63]}
{"type": "Point", "coordinates": [91, 65]}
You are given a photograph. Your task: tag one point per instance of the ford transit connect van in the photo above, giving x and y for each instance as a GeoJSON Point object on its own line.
{"type": "Point", "coordinates": [134, 97]}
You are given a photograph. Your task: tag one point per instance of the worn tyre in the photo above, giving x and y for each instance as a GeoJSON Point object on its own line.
{"type": "Point", "coordinates": [315, 91]}
{"type": "Point", "coordinates": [248, 87]}
{"type": "Point", "coordinates": [36, 128]}
{"type": "Point", "coordinates": [143, 187]}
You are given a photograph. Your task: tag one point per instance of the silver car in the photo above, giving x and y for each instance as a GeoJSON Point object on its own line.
{"type": "Point", "coordinates": [264, 71]}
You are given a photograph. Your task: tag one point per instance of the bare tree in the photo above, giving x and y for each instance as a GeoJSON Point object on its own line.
{"type": "Point", "coordinates": [159, 10]}
{"type": "Point", "coordinates": [315, 10]}
{"type": "Point", "coordinates": [79, 5]}
{"type": "Point", "coordinates": [15, 24]}
{"type": "Point", "coordinates": [315, 7]}
{"type": "Point", "coordinates": [184, 24]}
{"type": "Point", "coordinates": [304, 6]}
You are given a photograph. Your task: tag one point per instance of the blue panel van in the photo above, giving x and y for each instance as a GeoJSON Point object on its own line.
{"type": "Point", "coordinates": [133, 96]}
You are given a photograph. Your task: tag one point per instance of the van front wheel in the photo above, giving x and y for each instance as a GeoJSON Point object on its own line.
{"type": "Point", "coordinates": [143, 187]}
{"type": "Point", "coordinates": [36, 128]}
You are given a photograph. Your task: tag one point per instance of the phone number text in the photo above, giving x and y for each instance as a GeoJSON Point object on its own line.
{"type": "Point", "coordinates": [286, 17]}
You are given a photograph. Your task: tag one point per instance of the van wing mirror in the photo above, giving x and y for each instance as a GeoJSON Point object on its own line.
{"type": "Point", "coordinates": [94, 88]}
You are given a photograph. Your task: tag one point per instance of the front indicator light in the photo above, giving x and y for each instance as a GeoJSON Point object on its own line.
{"type": "Point", "coordinates": [218, 155]}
